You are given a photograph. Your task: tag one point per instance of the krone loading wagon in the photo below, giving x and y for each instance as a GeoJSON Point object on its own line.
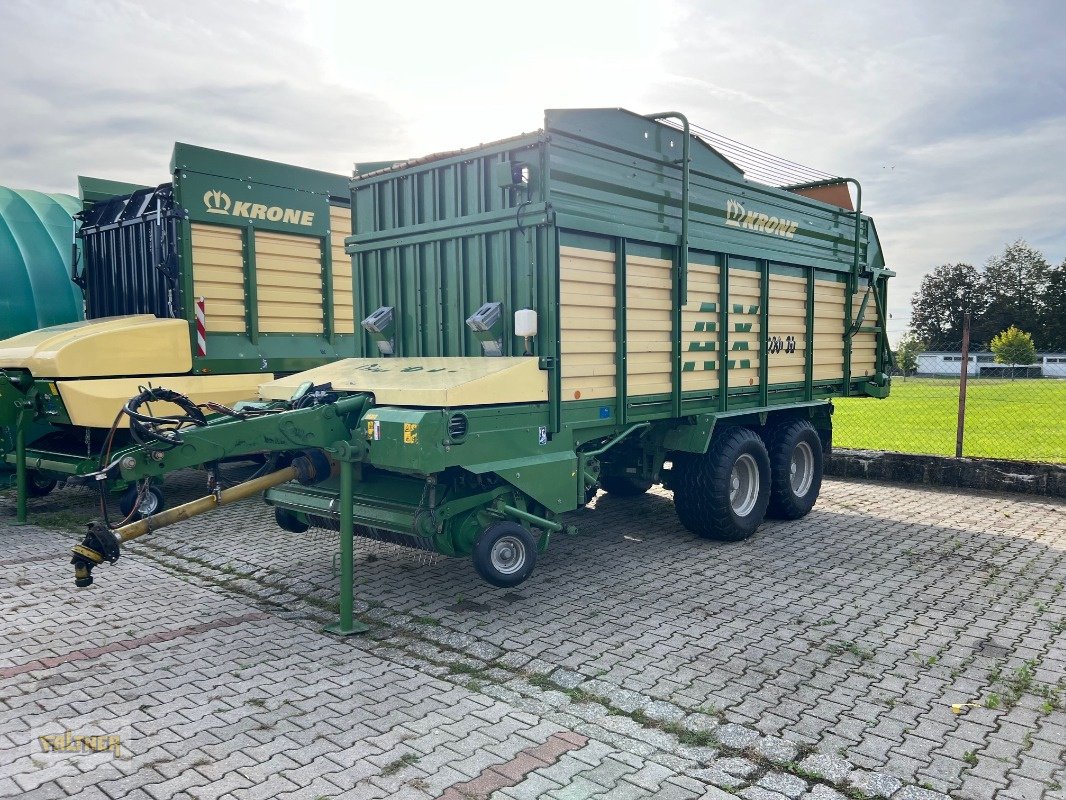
{"type": "Point", "coordinates": [233, 268]}
{"type": "Point", "coordinates": [607, 303]}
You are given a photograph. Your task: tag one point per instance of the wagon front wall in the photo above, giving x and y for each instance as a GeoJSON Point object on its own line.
{"type": "Point", "coordinates": [437, 241]}
{"type": "Point", "coordinates": [264, 256]}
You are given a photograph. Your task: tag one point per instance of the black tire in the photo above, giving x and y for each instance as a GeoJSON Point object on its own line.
{"type": "Point", "coordinates": [38, 485]}
{"type": "Point", "coordinates": [702, 490]}
{"type": "Point", "coordinates": [154, 501]}
{"type": "Point", "coordinates": [794, 445]}
{"type": "Point", "coordinates": [505, 554]}
{"type": "Point", "coordinates": [288, 521]}
{"type": "Point", "coordinates": [624, 485]}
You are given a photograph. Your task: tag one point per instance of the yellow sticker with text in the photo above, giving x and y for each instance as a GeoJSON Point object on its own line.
{"type": "Point", "coordinates": [410, 433]}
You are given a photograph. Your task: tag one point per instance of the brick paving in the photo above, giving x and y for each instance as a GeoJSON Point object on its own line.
{"type": "Point", "coordinates": [818, 660]}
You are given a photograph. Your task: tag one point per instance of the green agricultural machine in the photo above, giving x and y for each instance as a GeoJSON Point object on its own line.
{"type": "Point", "coordinates": [605, 304]}
{"type": "Point", "coordinates": [232, 269]}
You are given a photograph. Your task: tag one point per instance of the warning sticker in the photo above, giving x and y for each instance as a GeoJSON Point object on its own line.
{"type": "Point", "coordinates": [373, 429]}
{"type": "Point", "coordinates": [410, 433]}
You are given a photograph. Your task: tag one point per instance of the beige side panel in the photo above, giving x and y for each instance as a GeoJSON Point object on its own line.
{"type": "Point", "coordinates": [649, 299]}
{"type": "Point", "coordinates": [92, 403]}
{"type": "Point", "coordinates": [828, 330]}
{"type": "Point", "coordinates": [863, 344]}
{"type": "Point", "coordinates": [288, 276]}
{"type": "Point", "coordinates": [444, 382]}
{"type": "Point", "coordinates": [138, 344]}
{"type": "Point", "coordinates": [587, 323]}
{"type": "Point", "coordinates": [340, 226]}
{"type": "Point", "coordinates": [788, 325]}
{"type": "Point", "coordinates": [744, 328]}
{"type": "Point", "coordinates": [218, 275]}
{"type": "Point", "coordinates": [699, 330]}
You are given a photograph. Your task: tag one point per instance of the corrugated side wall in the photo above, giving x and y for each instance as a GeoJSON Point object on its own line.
{"type": "Point", "coordinates": [437, 241]}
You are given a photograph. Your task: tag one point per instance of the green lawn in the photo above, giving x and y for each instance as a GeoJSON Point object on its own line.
{"type": "Point", "coordinates": [1022, 419]}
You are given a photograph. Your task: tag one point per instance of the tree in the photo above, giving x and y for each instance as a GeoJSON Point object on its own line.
{"type": "Point", "coordinates": [942, 299]}
{"type": "Point", "coordinates": [1016, 283]}
{"type": "Point", "coordinates": [1052, 312]}
{"type": "Point", "coordinates": [1013, 346]}
{"type": "Point", "coordinates": [910, 347]}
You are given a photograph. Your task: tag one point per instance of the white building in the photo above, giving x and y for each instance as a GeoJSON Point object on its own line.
{"type": "Point", "coordinates": [1048, 365]}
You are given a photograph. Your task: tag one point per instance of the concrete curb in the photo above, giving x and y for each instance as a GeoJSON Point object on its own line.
{"type": "Point", "coordinates": [1027, 477]}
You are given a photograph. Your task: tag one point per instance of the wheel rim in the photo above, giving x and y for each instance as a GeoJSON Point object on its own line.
{"type": "Point", "coordinates": [149, 504]}
{"type": "Point", "coordinates": [508, 555]}
{"type": "Point", "coordinates": [801, 469]}
{"type": "Point", "coordinates": [744, 485]}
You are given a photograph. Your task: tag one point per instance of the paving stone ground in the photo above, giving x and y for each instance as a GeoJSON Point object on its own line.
{"type": "Point", "coordinates": [818, 660]}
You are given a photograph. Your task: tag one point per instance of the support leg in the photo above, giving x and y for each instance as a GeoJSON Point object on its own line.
{"type": "Point", "coordinates": [347, 624]}
{"type": "Point", "coordinates": [20, 469]}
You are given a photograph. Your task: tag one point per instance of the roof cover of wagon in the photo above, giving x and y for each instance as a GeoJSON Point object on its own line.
{"type": "Point", "coordinates": [640, 134]}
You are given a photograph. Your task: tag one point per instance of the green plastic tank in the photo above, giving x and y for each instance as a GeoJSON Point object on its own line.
{"type": "Point", "coordinates": [36, 231]}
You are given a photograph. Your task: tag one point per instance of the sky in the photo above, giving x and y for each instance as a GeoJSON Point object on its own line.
{"type": "Point", "coordinates": [951, 114]}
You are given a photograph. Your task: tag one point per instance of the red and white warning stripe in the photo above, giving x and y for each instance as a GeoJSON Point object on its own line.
{"type": "Point", "coordinates": [201, 327]}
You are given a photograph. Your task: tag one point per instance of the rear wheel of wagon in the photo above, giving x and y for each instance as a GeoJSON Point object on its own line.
{"type": "Point", "coordinates": [505, 554]}
{"type": "Point", "coordinates": [624, 485]}
{"type": "Point", "coordinates": [795, 469]}
{"type": "Point", "coordinates": [723, 493]}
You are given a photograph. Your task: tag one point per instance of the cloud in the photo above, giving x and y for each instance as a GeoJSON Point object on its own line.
{"type": "Point", "coordinates": [106, 91]}
{"type": "Point", "coordinates": [953, 115]}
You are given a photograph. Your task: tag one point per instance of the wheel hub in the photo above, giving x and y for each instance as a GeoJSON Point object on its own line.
{"type": "Point", "coordinates": [744, 485]}
{"type": "Point", "coordinates": [508, 555]}
{"type": "Point", "coordinates": [801, 469]}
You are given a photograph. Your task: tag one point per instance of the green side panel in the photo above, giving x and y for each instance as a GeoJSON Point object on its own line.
{"type": "Point", "coordinates": [253, 194]}
{"type": "Point", "coordinates": [435, 241]}
{"type": "Point", "coordinates": [36, 233]}
{"type": "Point", "coordinates": [613, 170]}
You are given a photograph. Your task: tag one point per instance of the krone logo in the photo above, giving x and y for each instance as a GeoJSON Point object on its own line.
{"type": "Point", "coordinates": [218, 202]}
{"type": "Point", "coordinates": [739, 217]}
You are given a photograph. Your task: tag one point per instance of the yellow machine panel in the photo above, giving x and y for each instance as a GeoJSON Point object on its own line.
{"type": "Point", "coordinates": [340, 224]}
{"type": "Point", "coordinates": [649, 325]}
{"type": "Point", "coordinates": [94, 403]}
{"type": "Point", "coordinates": [288, 276]}
{"type": "Point", "coordinates": [218, 275]}
{"type": "Point", "coordinates": [587, 323]}
{"type": "Point", "coordinates": [828, 330]}
{"type": "Point", "coordinates": [445, 382]}
{"type": "Point", "coordinates": [788, 324]}
{"type": "Point", "coordinates": [135, 345]}
{"type": "Point", "coordinates": [699, 330]}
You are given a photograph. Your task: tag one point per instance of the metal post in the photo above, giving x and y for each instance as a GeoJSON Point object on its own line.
{"type": "Point", "coordinates": [20, 468]}
{"type": "Point", "coordinates": [962, 383]}
{"type": "Point", "coordinates": [347, 624]}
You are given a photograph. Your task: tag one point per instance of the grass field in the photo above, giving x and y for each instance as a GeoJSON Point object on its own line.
{"type": "Point", "coordinates": [1021, 419]}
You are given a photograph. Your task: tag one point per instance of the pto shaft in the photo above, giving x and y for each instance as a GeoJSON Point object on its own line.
{"type": "Point", "coordinates": [102, 544]}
